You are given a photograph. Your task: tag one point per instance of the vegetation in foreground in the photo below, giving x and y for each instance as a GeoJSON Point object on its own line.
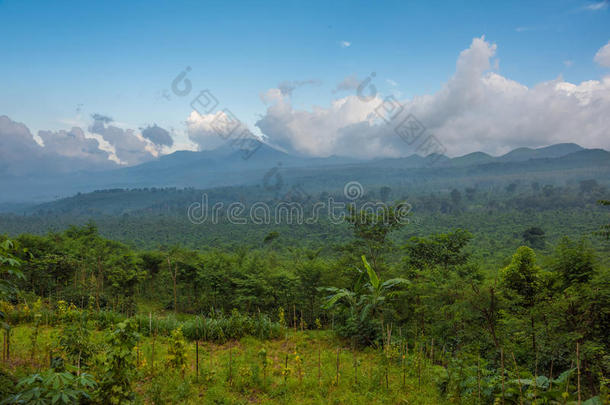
{"type": "Point", "coordinates": [419, 324]}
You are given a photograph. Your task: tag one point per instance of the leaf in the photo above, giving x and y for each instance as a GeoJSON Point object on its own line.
{"type": "Point", "coordinates": [338, 296]}
{"type": "Point", "coordinates": [372, 275]}
{"type": "Point", "coordinates": [393, 282]}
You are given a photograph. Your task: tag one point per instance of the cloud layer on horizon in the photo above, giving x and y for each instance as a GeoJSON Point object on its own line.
{"type": "Point", "coordinates": [104, 146]}
{"type": "Point", "coordinates": [476, 109]}
{"type": "Point", "coordinates": [63, 151]}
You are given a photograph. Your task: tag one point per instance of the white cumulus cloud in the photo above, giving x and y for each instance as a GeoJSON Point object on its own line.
{"type": "Point", "coordinates": [602, 57]}
{"type": "Point", "coordinates": [476, 109]}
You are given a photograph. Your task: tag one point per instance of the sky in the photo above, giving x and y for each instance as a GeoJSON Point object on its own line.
{"type": "Point", "coordinates": [92, 82]}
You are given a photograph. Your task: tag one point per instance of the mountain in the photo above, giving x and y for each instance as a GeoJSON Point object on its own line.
{"type": "Point", "coordinates": [226, 166]}
{"type": "Point", "coordinates": [471, 159]}
{"type": "Point", "coordinates": [553, 151]}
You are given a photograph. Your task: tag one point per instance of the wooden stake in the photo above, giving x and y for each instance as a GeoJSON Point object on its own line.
{"type": "Point", "coordinates": [319, 366]}
{"type": "Point", "coordinates": [286, 370]}
{"type": "Point", "coordinates": [196, 360]}
{"type": "Point", "coordinates": [231, 362]}
{"type": "Point", "coordinates": [578, 370]}
{"type": "Point", "coordinates": [338, 352]}
{"type": "Point", "coordinates": [355, 368]}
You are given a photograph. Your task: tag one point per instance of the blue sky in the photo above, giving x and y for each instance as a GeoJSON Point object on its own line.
{"type": "Point", "coordinates": [63, 61]}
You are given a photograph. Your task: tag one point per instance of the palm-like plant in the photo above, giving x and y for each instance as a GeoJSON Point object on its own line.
{"type": "Point", "coordinates": [367, 299]}
{"type": "Point", "coordinates": [9, 268]}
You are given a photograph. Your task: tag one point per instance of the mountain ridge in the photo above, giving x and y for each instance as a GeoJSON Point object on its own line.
{"type": "Point", "coordinates": [226, 167]}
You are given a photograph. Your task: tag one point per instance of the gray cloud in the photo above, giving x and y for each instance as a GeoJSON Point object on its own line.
{"type": "Point", "coordinates": [128, 147]}
{"type": "Point", "coordinates": [63, 151]}
{"type": "Point", "coordinates": [287, 87]}
{"type": "Point", "coordinates": [101, 118]}
{"type": "Point", "coordinates": [74, 144]}
{"type": "Point", "coordinates": [157, 135]}
{"type": "Point", "coordinates": [349, 83]}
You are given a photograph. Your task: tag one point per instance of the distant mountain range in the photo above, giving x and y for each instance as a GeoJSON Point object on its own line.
{"type": "Point", "coordinates": [226, 167]}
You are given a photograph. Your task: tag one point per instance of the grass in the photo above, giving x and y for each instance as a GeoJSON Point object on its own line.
{"type": "Point", "coordinates": [232, 373]}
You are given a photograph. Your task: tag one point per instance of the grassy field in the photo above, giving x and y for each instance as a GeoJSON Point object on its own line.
{"type": "Point", "coordinates": [310, 367]}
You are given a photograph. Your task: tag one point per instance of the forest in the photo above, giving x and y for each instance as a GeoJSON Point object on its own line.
{"type": "Point", "coordinates": [493, 303]}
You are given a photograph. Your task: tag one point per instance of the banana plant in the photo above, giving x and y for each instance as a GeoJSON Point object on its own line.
{"type": "Point", "coordinates": [368, 298]}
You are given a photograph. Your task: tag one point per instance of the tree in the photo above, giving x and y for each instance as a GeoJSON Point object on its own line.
{"type": "Point", "coordinates": [574, 261]}
{"type": "Point", "coordinates": [172, 267]}
{"type": "Point", "coordinates": [9, 269]}
{"type": "Point", "coordinates": [445, 250]}
{"type": "Point", "coordinates": [372, 228]}
{"type": "Point", "coordinates": [604, 232]}
{"type": "Point", "coordinates": [456, 197]}
{"type": "Point", "coordinates": [522, 282]}
{"type": "Point", "coordinates": [534, 237]}
{"type": "Point", "coordinates": [384, 193]}
{"type": "Point", "coordinates": [588, 186]}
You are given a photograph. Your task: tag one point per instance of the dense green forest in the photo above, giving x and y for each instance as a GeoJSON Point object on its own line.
{"type": "Point", "coordinates": [499, 296]}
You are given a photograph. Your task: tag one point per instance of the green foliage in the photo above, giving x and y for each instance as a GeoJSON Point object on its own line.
{"type": "Point", "coordinates": [9, 270]}
{"type": "Point", "coordinates": [176, 352]}
{"type": "Point", "coordinates": [75, 340]}
{"type": "Point", "coordinates": [574, 261]}
{"type": "Point", "coordinates": [119, 365]}
{"type": "Point", "coordinates": [366, 302]}
{"type": "Point", "coordinates": [522, 278]}
{"type": "Point", "coordinates": [53, 387]}
{"type": "Point", "coordinates": [534, 237]}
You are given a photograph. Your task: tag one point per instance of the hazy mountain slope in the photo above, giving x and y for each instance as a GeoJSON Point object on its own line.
{"type": "Point", "coordinates": [226, 166]}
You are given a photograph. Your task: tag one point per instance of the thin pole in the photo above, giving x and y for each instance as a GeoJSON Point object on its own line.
{"type": "Point", "coordinates": [502, 366]}
{"type": "Point", "coordinates": [338, 352]}
{"type": "Point", "coordinates": [578, 370]}
{"type": "Point", "coordinates": [196, 359]}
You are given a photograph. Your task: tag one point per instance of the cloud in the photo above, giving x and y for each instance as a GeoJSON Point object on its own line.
{"type": "Point", "coordinates": [287, 87]}
{"type": "Point", "coordinates": [601, 5]}
{"type": "Point", "coordinates": [568, 63]}
{"type": "Point", "coordinates": [602, 57]}
{"type": "Point", "coordinates": [476, 109]}
{"type": "Point", "coordinates": [158, 135]}
{"type": "Point", "coordinates": [63, 151]}
{"type": "Point", "coordinates": [316, 132]}
{"type": "Point", "coordinates": [209, 131]}
{"type": "Point", "coordinates": [349, 83]}
{"type": "Point", "coordinates": [129, 148]}
{"type": "Point", "coordinates": [345, 44]}
{"type": "Point", "coordinates": [391, 82]}
{"type": "Point", "coordinates": [101, 118]}
{"type": "Point", "coordinates": [74, 144]}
